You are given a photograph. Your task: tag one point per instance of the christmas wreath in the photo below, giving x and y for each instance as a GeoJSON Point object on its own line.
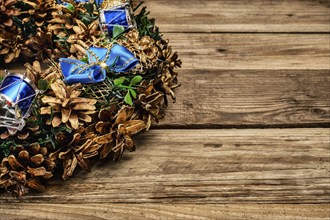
{"type": "Point", "coordinates": [97, 73]}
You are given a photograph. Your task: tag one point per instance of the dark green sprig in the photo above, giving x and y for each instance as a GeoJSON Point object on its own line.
{"type": "Point", "coordinates": [145, 25]}
{"type": "Point", "coordinates": [6, 146]}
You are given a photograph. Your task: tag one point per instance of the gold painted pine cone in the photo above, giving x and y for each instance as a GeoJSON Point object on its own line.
{"type": "Point", "coordinates": [143, 49]}
{"type": "Point", "coordinates": [65, 103]}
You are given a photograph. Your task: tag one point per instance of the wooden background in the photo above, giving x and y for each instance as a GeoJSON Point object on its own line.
{"type": "Point", "coordinates": [248, 137]}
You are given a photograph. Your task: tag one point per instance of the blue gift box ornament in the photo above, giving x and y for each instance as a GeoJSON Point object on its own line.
{"type": "Point", "coordinates": [117, 15]}
{"type": "Point", "coordinates": [17, 94]}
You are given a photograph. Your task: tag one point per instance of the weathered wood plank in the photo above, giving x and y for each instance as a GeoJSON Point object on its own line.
{"type": "Point", "coordinates": [252, 51]}
{"type": "Point", "coordinates": [252, 98]}
{"type": "Point", "coordinates": [163, 211]}
{"type": "Point", "coordinates": [206, 167]}
{"type": "Point", "coordinates": [222, 98]}
{"type": "Point", "coordinates": [241, 15]}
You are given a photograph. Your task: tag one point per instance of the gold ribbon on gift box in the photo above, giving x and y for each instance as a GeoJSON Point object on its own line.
{"type": "Point", "coordinates": [112, 3]}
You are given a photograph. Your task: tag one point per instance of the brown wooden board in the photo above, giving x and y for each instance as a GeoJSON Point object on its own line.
{"type": "Point", "coordinates": [252, 51]}
{"type": "Point", "coordinates": [204, 51]}
{"type": "Point", "coordinates": [235, 166]}
{"type": "Point", "coordinates": [241, 15]}
{"type": "Point", "coordinates": [157, 211]}
{"type": "Point", "coordinates": [258, 98]}
{"type": "Point", "coordinates": [246, 64]}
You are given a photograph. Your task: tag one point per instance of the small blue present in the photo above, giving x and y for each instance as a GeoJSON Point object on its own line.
{"type": "Point", "coordinates": [120, 15]}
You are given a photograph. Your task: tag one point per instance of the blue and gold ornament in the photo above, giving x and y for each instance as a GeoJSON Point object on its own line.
{"type": "Point", "coordinates": [116, 59]}
{"type": "Point", "coordinates": [116, 13]}
{"type": "Point", "coordinates": [17, 94]}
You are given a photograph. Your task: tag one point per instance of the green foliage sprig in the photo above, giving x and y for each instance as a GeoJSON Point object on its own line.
{"type": "Point", "coordinates": [145, 25]}
{"type": "Point", "coordinates": [129, 87]}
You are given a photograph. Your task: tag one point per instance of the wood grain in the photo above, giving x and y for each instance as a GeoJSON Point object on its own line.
{"type": "Point", "coordinates": [203, 51]}
{"type": "Point", "coordinates": [260, 64]}
{"type": "Point", "coordinates": [252, 51]}
{"type": "Point", "coordinates": [249, 98]}
{"type": "Point", "coordinates": [241, 15]}
{"type": "Point", "coordinates": [164, 211]}
{"type": "Point", "coordinates": [258, 98]}
{"type": "Point", "coordinates": [239, 166]}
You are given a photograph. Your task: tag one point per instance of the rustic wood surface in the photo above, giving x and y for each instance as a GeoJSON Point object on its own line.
{"type": "Point", "coordinates": [241, 15]}
{"type": "Point", "coordinates": [248, 138]}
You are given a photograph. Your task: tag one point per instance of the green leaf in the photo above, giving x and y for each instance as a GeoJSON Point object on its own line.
{"type": "Point", "coordinates": [133, 93]}
{"type": "Point", "coordinates": [119, 81]}
{"type": "Point", "coordinates": [136, 80]}
{"type": "Point", "coordinates": [117, 30]}
{"type": "Point", "coordinates": [42, 84]}
{"type": "Point", "coordinates": [70, 7]}
{"type": "Point", "coordinates": [128, 98]}
{"type": "Point", "coordinates": [84, 59]}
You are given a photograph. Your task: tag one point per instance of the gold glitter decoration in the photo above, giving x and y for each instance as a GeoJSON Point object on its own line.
{"type": "Point", "coordinates": [112, 3]}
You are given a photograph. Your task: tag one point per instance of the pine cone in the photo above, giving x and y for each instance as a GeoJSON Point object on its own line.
{"type": "Point", "coordinates": [69, 27]}
{"type": "Point", "coordinates": [26, 169]}
{"type": "Point", "coordinates": [116, 131]}
{"type": "Point", "coordinates": [38, 11]}
{"type": "Point", "coordinates": [150, 103]}
{"type": "Point", "coordinates": [7, 11]}
{"type": "Point", "coordinates": [11, 45]}
{"type": "Point", "coordinates": [169, 61]}
{"type": "Point", "coordinates": [66, 105]}
{"type": "Point", "coordinates": [78, 152]}
{"type": "Point", "coordinates": [30, 130]}
{"type": "Point", "coordinates": [33, 21]}
{"type": "Point", "coordinates": [144, 49]}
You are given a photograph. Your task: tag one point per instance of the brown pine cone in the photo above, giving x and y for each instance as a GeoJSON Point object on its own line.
{"type": "Point", "coordinates": [78, 151]}
{"type": "Point", "coordinates": [144, 49]}
{"type": "Point", "coordinates": [7, 11]}
{"type": "Point", "coordinates": [26, 169]}
{"type": "Point", "coordinates": [116, 131]}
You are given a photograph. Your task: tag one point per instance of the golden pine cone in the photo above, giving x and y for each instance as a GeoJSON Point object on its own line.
{"type": "Point", "coordinates": [66, 105]}
{"type": "Point", "coordinates": [12, 46]}
{"type": "Point", "coordinates": [144, 49]}
{"type": "Point", "coordinates": [66, 25]}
